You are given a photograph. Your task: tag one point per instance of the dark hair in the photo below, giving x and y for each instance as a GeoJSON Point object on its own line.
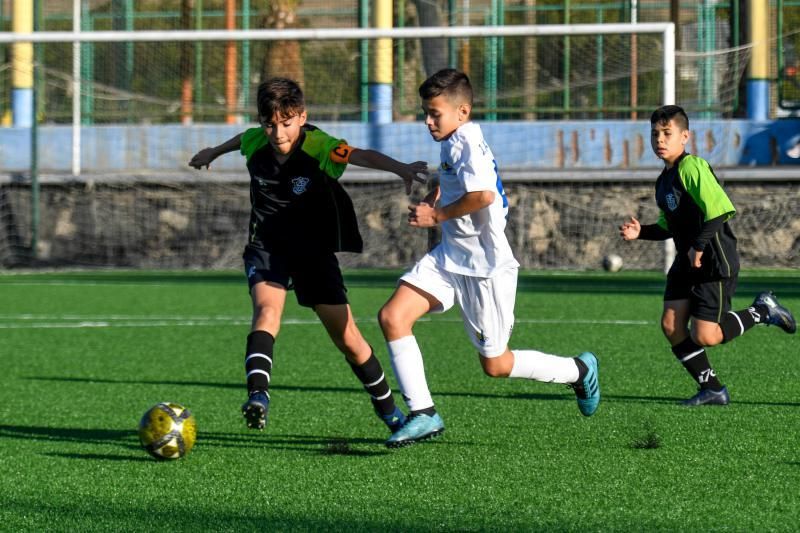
{"type": "Point", "coordinates": [450, 82]}
{"type": "Point", "coordinates": [664, 114]}
{"type": "Point", "coordinates": [280, 95]}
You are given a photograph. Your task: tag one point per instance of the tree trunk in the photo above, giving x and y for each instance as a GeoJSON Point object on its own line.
{"type": "Point", "coordinates": [283, 58]}
{"type": "Point", "coordinates": [434, 51]}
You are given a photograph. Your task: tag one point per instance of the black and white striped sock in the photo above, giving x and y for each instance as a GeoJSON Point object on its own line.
{"type": "Point", "coordinates": [371, 375]}
{"type": "Point", "coordinates": [258, 361]}
{"type": "Point", "coordinates": [694, 359]}
{"type": "Point", "coordinates": [735, 323]}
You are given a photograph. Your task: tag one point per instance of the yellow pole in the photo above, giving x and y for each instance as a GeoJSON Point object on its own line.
{"type": "Point", "coordinates": [22, 65]}
{"type": "Point", "coordinates": [380, 87]}
{"type": "Point", "coordinates": [758, 69]}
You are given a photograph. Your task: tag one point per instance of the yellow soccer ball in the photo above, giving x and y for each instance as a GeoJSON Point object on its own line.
{"type": "Point", "coordinates": [167, 431]}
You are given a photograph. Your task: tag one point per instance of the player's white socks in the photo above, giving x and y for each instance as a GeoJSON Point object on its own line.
{"type": "Point", "coordinates": [530, 364]}
{"type": "Point", "coordinates": [406, 359]}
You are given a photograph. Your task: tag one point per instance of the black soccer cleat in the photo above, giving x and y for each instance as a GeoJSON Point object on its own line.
{"type": "Point", "coordinates": [708, 397]}
{"type": "Point", "coordinates": [777, 315]}
{"type": "Point", "coordinates": [255, 410]}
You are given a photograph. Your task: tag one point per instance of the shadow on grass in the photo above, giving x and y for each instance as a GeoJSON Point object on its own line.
{"type": "Point", "coordinates": [561, 396]}
{"type": "Point", "coordinates": [139, 382]}
{"type": "Point", "coordinates": [52, 511]}
{"type": "Point", "coordinates": [99, 436]}
{"type": "Point", "coordinates": [101, 457]}
{"type": "Point", "coordinates": [314, 444]}
{"type": "Point", "coordinates": [121, 438]}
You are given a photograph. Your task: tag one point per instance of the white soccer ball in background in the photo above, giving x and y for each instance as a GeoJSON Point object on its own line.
{"type": "Point", "coordinates": [612, 263]}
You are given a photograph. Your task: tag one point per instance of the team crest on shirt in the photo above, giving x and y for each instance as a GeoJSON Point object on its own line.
{"type": "Point", "coordinates": [672, 202]}
{"type": "Point", "coordinates": [300, 184]}
{"type": "Point", "coordinates": [482, 339]}
{"type": "Point", "coordinates": [445, 167]}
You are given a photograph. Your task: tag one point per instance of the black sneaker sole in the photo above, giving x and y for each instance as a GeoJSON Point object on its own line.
{"type": "Point", "coordinates": [409, 442]}
{"type": "Point", "coordinates": [255, 415]}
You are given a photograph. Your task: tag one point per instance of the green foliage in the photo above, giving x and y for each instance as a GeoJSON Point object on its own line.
{"type": "Point", "coordinates": [85, 354]}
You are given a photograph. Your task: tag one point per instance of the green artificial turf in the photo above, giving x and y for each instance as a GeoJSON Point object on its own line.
{"type": "Point", "coordinates": [85, 354]}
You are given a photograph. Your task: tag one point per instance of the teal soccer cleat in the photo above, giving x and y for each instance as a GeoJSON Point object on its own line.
{"type": "Point", "coordinates": [587, 390]}
{"type": "Point", "coordinates": [394, 420]}
{"type": "Point", "coordinates": [255, 410]}
{"type": "Point", "coordinates": [708, 397]}
{"type": "Point", "coordinates": [417, 428]}
{"type": "Point", "coordinates": [777, 315]}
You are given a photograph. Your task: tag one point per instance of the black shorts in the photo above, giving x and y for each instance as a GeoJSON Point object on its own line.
{"type": "Point", "coordinates": [315, 279]}
{"type": "Point", "coordinates": [708, 300]}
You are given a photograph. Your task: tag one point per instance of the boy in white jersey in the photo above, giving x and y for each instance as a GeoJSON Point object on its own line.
{"type": "Point", "coordinates": [472, 266]}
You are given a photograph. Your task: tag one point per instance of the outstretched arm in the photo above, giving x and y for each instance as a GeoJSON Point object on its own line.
{"type": "Point", "coordinates": [204, 157]}
{"type": "Point", "coordinates": [410, 173]}
{"type": "Point", "coordinates": [424, 215]}
{"type": "Point", "coordinates": [631, 229]}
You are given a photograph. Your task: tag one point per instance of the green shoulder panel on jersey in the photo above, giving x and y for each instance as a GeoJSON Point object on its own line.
{"type": "Point", "coordinates": [252, 141]}
{"type": "Point", "coordinates": [701, 184]}
{"type": "Point", "coordinates": [319, 145]}
{"type": "Point", "coordinates": [662, 220]}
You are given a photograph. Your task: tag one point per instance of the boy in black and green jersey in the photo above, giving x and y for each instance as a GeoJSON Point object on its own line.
{"type": "Point", "coordinates": [300, 217]}
{"type": "Point", "coordinates": [694, 212]}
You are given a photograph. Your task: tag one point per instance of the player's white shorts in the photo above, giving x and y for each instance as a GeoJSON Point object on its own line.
{"type": "Point", "coordinates": [487, 304]}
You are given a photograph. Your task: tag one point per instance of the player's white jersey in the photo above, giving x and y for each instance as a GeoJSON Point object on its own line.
{"type": "Point", "coordinates": [474, 244]}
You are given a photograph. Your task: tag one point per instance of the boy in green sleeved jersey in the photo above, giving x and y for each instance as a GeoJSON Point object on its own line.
{"type": "Point", "coordinates": [300, 217]}
{"type": "Point", "coordinates": [694, 211]}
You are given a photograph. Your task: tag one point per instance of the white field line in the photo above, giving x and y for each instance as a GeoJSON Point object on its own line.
{"type": "Point", "coordinates": [34, 321]}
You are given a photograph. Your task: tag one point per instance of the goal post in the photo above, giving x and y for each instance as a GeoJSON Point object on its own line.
{"type": "Point", "coordinates": [130, 123]}
{"type": "Point", "coordinates": [77, 37]}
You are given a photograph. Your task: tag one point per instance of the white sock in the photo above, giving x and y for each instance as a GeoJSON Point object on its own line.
{"type": "Point", "coordinates": [530, 364]}
{"type": "Point", "coordinates": [406, 359]}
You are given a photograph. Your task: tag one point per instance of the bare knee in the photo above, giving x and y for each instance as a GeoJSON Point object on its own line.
{"type": "Point", "coordinates": [673, 331]}
{"type": "Point", "coordinates": [707, 338]}
{"type": "Point", "coordinates": [668, 327]}
{"type": "Point", "coordinates": [392, 322]}
{"type": "Point", "coordinates": [266, 318]}
{"type": "Point", "coordinates": [354, 347]}
{"type": "Point", "coordinates": [496, 367]}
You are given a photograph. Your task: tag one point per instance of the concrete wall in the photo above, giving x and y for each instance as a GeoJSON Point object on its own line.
{"type": "Point", "coordinates": [542, 145]}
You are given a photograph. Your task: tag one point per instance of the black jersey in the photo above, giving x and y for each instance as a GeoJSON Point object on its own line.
{"type": "Point", "coordinates": [689, 194]}
{"type": "Point", "coordinates": [298, 206]}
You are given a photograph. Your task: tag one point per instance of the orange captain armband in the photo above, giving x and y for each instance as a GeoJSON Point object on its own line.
{"type": "Point", "coordinates": [341, 154]}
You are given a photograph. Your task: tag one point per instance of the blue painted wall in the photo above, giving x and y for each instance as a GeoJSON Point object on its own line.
{"type": "Point", "coordinates": [542, 145]}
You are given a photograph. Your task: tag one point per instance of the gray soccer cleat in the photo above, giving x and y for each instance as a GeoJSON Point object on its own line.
{"type": "Point", "coordinates": [708, 397]}
{"type": "Point", "coordinates": [777, 315]}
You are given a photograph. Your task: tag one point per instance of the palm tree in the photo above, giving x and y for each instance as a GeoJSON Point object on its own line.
{"type": "Point", "coordinates": [283, 58]}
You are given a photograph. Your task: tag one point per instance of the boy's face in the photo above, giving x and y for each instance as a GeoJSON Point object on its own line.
{"type": "Point", "coordinates": [443, 116]}
{"type": "Point", "coordinates": [283, 131]}
{"type": "Point", "coordinates": [668, 141]}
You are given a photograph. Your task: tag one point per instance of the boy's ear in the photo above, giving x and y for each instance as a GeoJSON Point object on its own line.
{"type": "Point", "coordinates": [685, 136]}
{"type": "Point", "coordinates": [464, 110]}
{"type": "Point", "coordinates": [303, 117]}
